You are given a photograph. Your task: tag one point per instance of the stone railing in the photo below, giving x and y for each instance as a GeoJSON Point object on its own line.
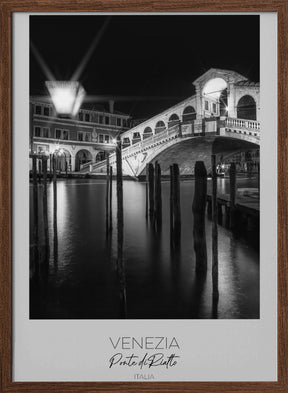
{"type": "Point", "coordinates": [248, 125]}
{"type": "Point", "coordinates": [168, 133]}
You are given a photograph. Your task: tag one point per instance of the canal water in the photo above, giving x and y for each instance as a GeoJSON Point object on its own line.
{"type": "Point", "coordinates": [81, 279]}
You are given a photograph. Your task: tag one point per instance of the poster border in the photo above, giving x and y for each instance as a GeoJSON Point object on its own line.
{"type": "Point", "coordinates": [7, 8]}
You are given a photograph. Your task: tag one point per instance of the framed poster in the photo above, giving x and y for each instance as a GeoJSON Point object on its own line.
{"type": "Point", "coordinates": [139, 190]}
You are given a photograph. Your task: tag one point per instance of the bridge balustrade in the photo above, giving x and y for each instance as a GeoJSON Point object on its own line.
{"type": "Point", "coordinates": [167, 133]}
{"type": "Point", "coordinates": [143, 144]}
{"type": "Point", "coordinates": [184, 129]}
{"type": "Point", "coordinates": [248, 125]}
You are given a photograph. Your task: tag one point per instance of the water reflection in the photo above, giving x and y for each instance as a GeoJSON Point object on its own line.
{"type": "Point", "coordinates": [91, 280]}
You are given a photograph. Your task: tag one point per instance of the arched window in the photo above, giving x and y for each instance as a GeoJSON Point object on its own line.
{"type": "Point", "coordinates": [147, 132]}
{"type": "Point", "coordinates": [173, 119]}
{"type": "Point", "coordinates": [189, 113]}
{"type": "Point", "coordinates": [82, 157]}
{"type": "Point", "coordinates": [160, 126]}
{"type": "Point", "coordinates": [246, 108]}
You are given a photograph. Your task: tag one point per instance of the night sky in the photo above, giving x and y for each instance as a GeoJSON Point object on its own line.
{"type": "Point", "coordinates": [154, 57]}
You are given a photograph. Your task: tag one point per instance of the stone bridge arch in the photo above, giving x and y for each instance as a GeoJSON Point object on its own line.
{"type": "Point", "coordinates": [185, 152]}
{"type": "Point", "coordinates": [82, 157]}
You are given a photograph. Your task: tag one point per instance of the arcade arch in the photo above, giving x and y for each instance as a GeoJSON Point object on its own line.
{"type": "Point", "coordinates": [189, 113]}
{"type": "Point", "coordinates": [147, 132]}
{"type": "Point", "coordinates": [63, 160]}
{"type": "Point", "coordinates": [173, 119]}
{"type": "Point", "coordinates": [82, 157]}
{"type": "Point", "coordinates": [214, 87]}
{"type": "Point", "coordinates": [160, 126]}
{"type": "Point", "coordinates": [246, 108]}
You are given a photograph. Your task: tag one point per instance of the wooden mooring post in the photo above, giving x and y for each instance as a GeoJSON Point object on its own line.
{"type": "Point", "coordinates": [45, 206]}
{"type": "Point", "coordinates": [171, 208]}
{"type": "Point", "coordinates": [120, 230]}
{"type": "Point", "coordinates": [55, 210]}
{"type": "Point", "coordinates": [35, 214]}
{"type": "Point", "coordinates": [51, 165]}
{"type": "Point", "coordinates": [158, 197]}
{"type": "Point", "coordinates": [39, 170]}
{"type": "Point", "coordinates": [198, 209]}
{"type": "Point", "coordinates": [214, 230]}
{"type": "Point", "coordinates": [107, 192]}
{"type": "Point", "coordinates": [151, 190]}
{"type": "Point", "coordinates": [147, 191]}
{"type": "Point", "coordinates": [110, 198]}
{"type": "Point", "coordinates": [258, 177]}
{"type": "Point", "coordinates": [232, 195]}
{"type": "Point", "coordinates": [176, 204]}
{"type": "Point", "coordinates": [119, 179]}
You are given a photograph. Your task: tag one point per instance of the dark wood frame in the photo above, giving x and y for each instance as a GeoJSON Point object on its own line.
{"type": "Point", "coordinates": [7, 7]}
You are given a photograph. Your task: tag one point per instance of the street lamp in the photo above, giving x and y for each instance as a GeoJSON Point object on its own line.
{"type": "Point", "coordinates": [66, 96]}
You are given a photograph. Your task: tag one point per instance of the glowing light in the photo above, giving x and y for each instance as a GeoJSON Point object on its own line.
{"type": "Point", "coordinates": [56, 148]}
{"type": "Point", "coordinates": [114, 141]}
{"type": "Point", "coordinates": [226, 108]}
{"type": "Point", "coordinates": [90, 51]}
{"type": "Point", "coordinates": [66, 96]}
{"type": "Point", "coordinates": [214, 87]}
{"type": "Point", "coordinates": [41, 62]}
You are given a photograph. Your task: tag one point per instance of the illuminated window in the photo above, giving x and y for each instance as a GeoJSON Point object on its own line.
{"type": "Point", "coordinates": [38, 110]}
{"type": "Point", "coordinates": [101, 138]}
{"type": "Point", "coordinates": [106, 138]}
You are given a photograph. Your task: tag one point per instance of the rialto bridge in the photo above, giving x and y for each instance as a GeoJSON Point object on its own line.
{"type": "Point", "coordinates": [221, 118]}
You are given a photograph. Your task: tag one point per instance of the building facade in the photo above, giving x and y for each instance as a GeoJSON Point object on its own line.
{"type": "Point", "coordinates": [84, 139]}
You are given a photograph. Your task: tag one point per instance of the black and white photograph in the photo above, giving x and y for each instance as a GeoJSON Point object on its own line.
{"type": "Point", "coordinates": [144, 166]}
